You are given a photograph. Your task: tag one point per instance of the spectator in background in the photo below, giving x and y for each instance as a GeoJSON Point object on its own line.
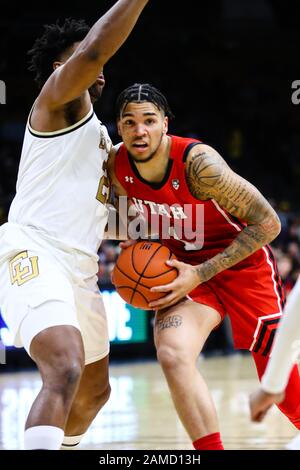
{"type": "Point", "coordinates": [285, 266]}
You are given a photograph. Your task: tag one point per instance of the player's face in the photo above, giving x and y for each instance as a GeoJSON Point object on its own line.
{"type": "Point", "coordinates": [142, 127]}
{"type": "Point", "coordinates": [96, 89]}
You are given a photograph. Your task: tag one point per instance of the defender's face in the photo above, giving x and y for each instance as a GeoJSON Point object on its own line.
{"type": "Point", "coordinates": [96, 89]}
{"type": "Point", "coordinates": [142, 127]}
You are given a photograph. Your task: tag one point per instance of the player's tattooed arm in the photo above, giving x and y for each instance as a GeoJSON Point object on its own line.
{"type": "Point", "coordinates": [209, 177]}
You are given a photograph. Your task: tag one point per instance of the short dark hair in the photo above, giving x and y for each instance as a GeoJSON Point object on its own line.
{"type": "Point", "coordinates": [52, 44]}
{"type": "Point", "coordinates": [142, 92]}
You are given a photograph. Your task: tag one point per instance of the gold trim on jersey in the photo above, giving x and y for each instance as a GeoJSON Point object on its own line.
{"type": "Point", "coordinates": [20, 271]}
{"type": "Point", "coordinates": [61, 131]}
{"type": "Point", "coordinates": [104, 185]}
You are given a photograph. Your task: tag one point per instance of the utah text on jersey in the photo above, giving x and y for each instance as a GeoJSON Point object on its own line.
{"type": "Point", "coordinates": [181, 222]}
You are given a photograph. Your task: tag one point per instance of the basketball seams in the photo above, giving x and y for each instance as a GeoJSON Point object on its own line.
{"type": "Point", "coordinates": [138, 292]}
{"type": "Point", "coordinates": [163, 273]}
{"type": "Point", "coordinates": [145, 267]}
{"type": "Point", "coordinates": [158, 275]}
{"type": "Point", "coordinates": [128, 277]}
{"type": "Point", "coordinates": [128, 273]}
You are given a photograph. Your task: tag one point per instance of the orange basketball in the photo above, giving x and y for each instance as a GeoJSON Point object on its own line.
{"type": "Point", "coordinates": [140, 267]}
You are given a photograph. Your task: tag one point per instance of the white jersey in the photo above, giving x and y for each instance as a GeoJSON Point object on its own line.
{"type": "Point", "coordinates": [61, 174]}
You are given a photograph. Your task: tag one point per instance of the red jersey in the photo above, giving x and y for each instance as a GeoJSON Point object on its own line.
{"type": "Point", "coordinates": [249, 292]}
{"type": "Point", "coordinates": [194, 230]}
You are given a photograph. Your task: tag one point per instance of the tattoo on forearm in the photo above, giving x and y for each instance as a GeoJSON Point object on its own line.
{"type": "Point", "coordinates": [240, 248]}
{"type": "Point", "coordinates": [169, 322]}
{"type": "Point", "coordinates": [246, 243]}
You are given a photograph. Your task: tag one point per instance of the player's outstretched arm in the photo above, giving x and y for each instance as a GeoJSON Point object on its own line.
{"type": "Point", "coordinates": [69, 81]}
{"type": "Point", "coordinates": [209, 177]}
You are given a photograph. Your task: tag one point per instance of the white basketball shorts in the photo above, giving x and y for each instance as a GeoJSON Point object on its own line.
{"type": "Point", "coordinates": [42, 286]}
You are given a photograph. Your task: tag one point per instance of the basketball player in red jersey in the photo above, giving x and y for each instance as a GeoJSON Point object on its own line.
{"type": "Point", "coordinates": [231, 270]}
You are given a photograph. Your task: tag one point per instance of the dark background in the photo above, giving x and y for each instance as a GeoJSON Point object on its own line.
{"type": "Point", "coordinates": [226, 67]}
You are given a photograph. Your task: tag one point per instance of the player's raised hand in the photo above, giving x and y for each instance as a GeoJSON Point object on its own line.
{"type": "Point", "coordinates": [260, 402]}
{"type": "Point", "coordinates": [185, 282]}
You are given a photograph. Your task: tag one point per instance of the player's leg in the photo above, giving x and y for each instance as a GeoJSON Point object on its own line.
{"type": "Point", "coordinates": [91, 396]}
{"type": "Point", "coordinates": [290, 406]}
{"type": "Point", "coordinates": [180, 333]}
{"type": "Point", "coordinates": [39, 309]}
{"type": "Point", "coordinates": [58, 353]}
{"type": "Point", "coordinates": [94, 389]}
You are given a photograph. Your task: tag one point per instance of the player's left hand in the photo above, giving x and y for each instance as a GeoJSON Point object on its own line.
{"type": "Point", "coordinates": [185, 282]}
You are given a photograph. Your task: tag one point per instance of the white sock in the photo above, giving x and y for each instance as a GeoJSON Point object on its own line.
{"type": "Point", "coordinates": [43, 437]}
{"type": "Point", "coordinates": [71, 442]}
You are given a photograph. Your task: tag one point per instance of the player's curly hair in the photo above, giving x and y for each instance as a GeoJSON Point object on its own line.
{"type": "Point", "coordinates": [50, 46]}
{"type": "Point", "coordinates": [142, 92]}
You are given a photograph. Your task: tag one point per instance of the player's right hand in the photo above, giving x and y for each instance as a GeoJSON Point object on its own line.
{"type": "Point", "coordinates": [260, 402]}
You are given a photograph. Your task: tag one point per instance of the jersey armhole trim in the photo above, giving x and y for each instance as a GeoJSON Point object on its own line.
{"type": "Point", "coordinates": [64, 131]}
{"type": "Point", "coordinates": [187, 150]}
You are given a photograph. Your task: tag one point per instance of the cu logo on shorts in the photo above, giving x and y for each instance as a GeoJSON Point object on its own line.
{"type": "Point", "coordinates": [22, 268]}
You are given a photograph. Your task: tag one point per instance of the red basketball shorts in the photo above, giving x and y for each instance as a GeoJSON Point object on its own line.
{"type": "Point", "coordinates": [251, 294]}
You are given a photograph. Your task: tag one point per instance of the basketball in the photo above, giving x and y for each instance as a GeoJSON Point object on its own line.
{"type": "Point", "coordinates": [140, 267]}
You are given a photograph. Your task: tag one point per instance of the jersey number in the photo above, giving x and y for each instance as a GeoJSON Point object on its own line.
{"type": "Point", "coordinates": [104, 186]}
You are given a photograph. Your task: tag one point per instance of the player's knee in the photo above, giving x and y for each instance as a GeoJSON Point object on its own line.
{"type": "Point", "coordinates": [71, 372]}
{"type": "Point", "coordinates": [63, 371]}
{"type": "Point", "coordinates": [170, 357]}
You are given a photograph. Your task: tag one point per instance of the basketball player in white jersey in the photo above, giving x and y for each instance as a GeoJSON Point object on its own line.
{"type": "Point", "coordinates": [48, 249]}
{"type": "Point", "coordinates": [285, 353]}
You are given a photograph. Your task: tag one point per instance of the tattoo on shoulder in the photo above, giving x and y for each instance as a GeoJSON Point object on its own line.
{"type": "Point", "coordinates": [169, 322]}
{"type": "Point", "coordinates": [203, 171]}
{"type": "Point", "coordinates": [209, 177]}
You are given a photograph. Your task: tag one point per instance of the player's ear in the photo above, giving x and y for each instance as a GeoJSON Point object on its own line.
{"type": "Point", "coordinates": [166, 125]}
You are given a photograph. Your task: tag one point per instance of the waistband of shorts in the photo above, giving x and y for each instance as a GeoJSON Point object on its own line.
{"type": "Point", "coordinates": [33, 232]}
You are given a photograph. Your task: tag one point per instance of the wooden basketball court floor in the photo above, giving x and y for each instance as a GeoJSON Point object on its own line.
{"type": "Point", "coordinates": [140, 413]}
